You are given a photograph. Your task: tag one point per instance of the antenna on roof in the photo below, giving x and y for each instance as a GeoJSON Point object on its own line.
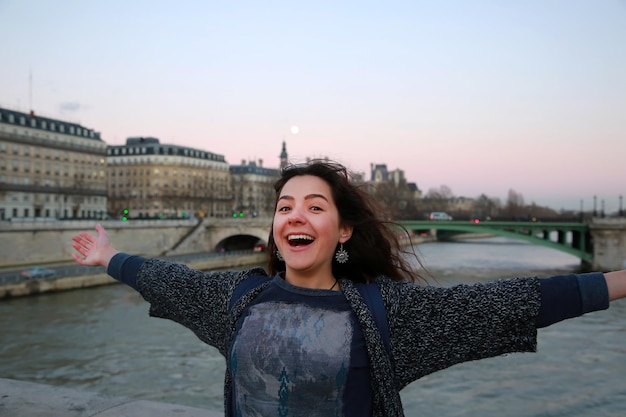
{"type": "Point", "coordinates": [30, 91]}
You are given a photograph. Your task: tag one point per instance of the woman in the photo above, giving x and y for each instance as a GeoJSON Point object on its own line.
{"type": "Point", "coordinates": [303, 341]}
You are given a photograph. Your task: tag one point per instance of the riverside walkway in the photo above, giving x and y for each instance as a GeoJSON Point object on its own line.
{"type": "Point", "coordinates": [27, 399]}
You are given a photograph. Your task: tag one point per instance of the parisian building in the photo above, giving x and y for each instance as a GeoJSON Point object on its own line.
{"type": "Point", "coordinates": [56, 169]}
{"type": "Point", "coordinates": [148, 179]}
{"type": "Point", "coordinates": [50, 169]}
{"type": "Point", "coordinates": [253, 188]}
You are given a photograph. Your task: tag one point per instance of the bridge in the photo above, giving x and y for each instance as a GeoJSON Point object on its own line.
{"type": "Point", "coordinates": [599, 244]}
{"type": "Point", "coordinates": [572, 238]}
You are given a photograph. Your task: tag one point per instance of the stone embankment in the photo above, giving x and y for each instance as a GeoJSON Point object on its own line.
{"type": "Point", "coordinates": [27, 399]}
{"type": "Point", "coordinates": [32, 287]}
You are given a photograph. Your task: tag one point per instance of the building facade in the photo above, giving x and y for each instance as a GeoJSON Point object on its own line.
{"type": "Point", "coordinates": [50, 169]}
{"type": "Point", "coordinates": [148, 179]}
{"type": "Point", "coordinates": [54, 169]}
{"type": "Point", "coordinates": [253, 189]}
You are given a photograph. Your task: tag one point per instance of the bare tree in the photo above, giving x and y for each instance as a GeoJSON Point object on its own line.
{"type": "Point", "coordinates": [437, 199]}
{"type": "Point", "coordinates": [515, 205]}
{"type": "Point", "coordinates": [487, 207]}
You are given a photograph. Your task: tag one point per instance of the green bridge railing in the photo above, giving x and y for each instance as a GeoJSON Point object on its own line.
{"type": "Point", "coordinates": [572, 238]}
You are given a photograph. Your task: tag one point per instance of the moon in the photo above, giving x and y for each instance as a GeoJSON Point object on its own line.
{"type": "Point", "coordinates": [295, 129]}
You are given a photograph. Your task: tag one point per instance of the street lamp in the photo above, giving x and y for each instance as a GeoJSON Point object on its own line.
{"type": "Point", "coordinates": [595, 211]}
{"type": "Point", "coordinates": [582, 215]}
{"type": "Point", "coordinates": [602, 208]}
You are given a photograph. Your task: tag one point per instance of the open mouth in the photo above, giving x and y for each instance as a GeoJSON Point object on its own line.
{"type": "Point", "coordinates": [300, 240]}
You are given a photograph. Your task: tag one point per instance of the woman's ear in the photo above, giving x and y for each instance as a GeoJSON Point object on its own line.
{"type": "Point", "coordinates": [345, 233]}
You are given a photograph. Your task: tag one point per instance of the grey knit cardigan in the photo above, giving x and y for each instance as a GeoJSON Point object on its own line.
{"type": "Point", "coordinates": [431, 328]}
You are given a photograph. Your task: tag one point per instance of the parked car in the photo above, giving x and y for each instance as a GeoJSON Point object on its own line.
{"type": "Point", "coordinates": [439, 215]}
{"type": "Point", "coordinates": [38, 272]}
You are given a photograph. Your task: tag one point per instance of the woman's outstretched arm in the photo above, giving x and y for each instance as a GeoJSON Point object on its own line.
{"type": "Point", "coordinates": [93, 250]}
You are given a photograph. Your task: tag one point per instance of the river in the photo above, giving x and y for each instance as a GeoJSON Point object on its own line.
{"type": "Point", "coordinates": [101, 339]}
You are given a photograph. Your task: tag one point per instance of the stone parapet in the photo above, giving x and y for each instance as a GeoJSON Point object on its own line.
{"type": "Point", "coordinates": [39, 286]}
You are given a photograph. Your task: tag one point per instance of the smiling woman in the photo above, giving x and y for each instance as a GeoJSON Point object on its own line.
{"type": "Point", "coordinates": [339, 325]}
{"type": "Point", "coordinates": [306, 231]}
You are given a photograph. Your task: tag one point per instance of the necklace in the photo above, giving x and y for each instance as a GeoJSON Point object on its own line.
{"type": "Point", "coordinates": [333, 285]}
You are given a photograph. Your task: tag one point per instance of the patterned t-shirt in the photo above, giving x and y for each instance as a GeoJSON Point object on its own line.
{"type": "Point", "coordinates": [299, 352]}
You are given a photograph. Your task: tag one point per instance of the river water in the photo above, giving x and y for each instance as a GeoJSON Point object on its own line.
{"type": "Point", "coordinates": [101, 339]}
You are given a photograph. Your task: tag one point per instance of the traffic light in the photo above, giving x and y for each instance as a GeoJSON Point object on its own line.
{"type": "Point", "coordinates": [124, 215]}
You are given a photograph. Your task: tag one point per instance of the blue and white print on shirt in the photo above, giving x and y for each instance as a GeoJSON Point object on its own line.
{"type": "Point", "coordinates": [290, 357]}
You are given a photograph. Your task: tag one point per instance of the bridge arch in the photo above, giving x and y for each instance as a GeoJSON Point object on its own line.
{"type": "Point", "coordinates": [236, 234]}
{"type": "Point", "coordinates": [240, 242]}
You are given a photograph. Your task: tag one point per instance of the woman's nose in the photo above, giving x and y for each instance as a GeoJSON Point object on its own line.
{"type": "Point", "coordinates": [295, 217]}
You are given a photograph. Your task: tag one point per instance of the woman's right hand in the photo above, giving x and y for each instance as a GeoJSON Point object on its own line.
{"type": "Point", "coordinates": [93, 250]}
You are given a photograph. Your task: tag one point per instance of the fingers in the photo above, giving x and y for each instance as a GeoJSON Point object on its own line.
{"type": "Point", "coordinates": [81, 242]}
{"type": "Point", "coordinates": [100, 229]}
{"type": "Point", "coordinates": [78, 259]}
{"type": "Point", "coordinates": [84, 244]}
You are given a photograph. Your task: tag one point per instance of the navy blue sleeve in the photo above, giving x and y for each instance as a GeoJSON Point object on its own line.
{"type": "Point", "coordinates": [124, 267]}
{"type": "Point", "coordinates": [568, 296]}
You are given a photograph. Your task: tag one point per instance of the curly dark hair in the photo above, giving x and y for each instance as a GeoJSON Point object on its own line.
{"type": "Point", "coordinates": [374, 248]}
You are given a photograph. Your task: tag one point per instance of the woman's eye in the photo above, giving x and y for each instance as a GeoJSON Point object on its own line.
{"type": "Point", "coordinates": [283, 208]}
{"type": "Point", "coordinates": [316, 208]}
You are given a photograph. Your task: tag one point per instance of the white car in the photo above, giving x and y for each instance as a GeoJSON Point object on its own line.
{"type": "Point", "coordinates": [439, 215]}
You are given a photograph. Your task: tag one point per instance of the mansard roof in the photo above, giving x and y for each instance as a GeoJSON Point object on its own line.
{"type": "Point", "coordinates": [34, 121]}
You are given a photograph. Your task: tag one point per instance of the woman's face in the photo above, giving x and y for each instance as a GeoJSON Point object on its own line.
{"type": "Point", "coordinates": [306, 227]}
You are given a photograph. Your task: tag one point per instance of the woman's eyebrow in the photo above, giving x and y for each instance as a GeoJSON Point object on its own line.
{"type": "Point", "coordinates": [306, 197]}
{"type": "Point", "coordinates": [310, 196]}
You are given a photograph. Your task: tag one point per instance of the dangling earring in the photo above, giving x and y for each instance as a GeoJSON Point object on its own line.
{"type": "Point", "coordinates": [279, 256]}
{"type": "Point", "coordinates": [342, 255]}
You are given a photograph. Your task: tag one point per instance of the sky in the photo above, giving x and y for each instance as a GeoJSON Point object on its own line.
{"type": "Point", "coordinates": [482, 97]}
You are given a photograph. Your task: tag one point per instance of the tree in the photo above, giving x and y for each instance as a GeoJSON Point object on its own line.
{"type": "Point", "coordinates": [437, 199]}
{"type": "Point", "coordinates": [515, 205]}
{"type": "Point", "coordinates": [487, 207]}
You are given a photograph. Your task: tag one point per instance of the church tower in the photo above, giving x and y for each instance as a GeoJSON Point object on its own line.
{"type": "Point", "coordinates": [284, 160]}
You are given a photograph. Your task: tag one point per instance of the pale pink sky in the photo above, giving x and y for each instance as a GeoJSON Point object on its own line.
{"type": "Point", "coordinates": [481, 96]}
